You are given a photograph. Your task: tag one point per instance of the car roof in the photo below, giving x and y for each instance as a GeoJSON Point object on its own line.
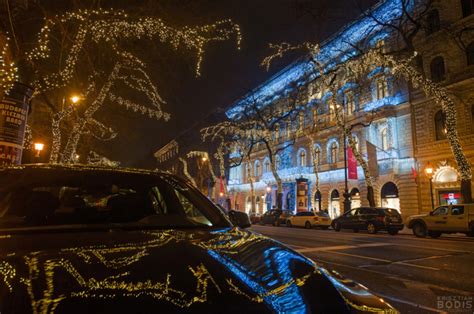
{"type": "Point", "coordinates": [76, 167]}
{"type": "Point", "coordinates": [26, 170]}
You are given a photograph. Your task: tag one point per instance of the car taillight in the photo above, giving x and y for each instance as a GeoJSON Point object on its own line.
{"type": "Point", "coordinates": [381, 218]}
{"type": "Point", "coordinates": [316, 218]}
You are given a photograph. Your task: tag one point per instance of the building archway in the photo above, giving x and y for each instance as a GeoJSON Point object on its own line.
{"type": "Point", "coordinates": [389, 196]}
{"type": "Point", "coordinates": [355, 198]}
{"type": "Point", "coordinates": [248, 204]}
{"type": "Point", "coordinates": [335, 207]}
{"type": "Point", "coordinates": [317, 201]}
{"type": "Point", "coordinates": [447, 187]}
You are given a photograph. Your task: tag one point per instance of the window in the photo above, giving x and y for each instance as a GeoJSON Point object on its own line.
{"type": "Point", "coordinates": [438, 71]}
{"type": "Point", "coordinates": [302, 158]}
{"type": "Point", "coordinates": [382, 88]}
{"type": "Point", "coordinates": [301, 121]}
{"type": "Point", "coordinates": [457, 210]}
{"type": "Point", "coordinates": [380, 45]}
{"type": "Point", "coordinates": [333, 153]}
{"type": "Point", "coordinates": [441, 211]}
{"type": "Point", "coordinates": [467, 7]}
{"type": "Point", "coordinates": [276, 133]}
{"type": "Point", "coordinates": [267, 166]}
{"type": "Point", "coordinates": [432, 22]}
{"type": "Point", "coordinates": [315, 115]}
{"type": "Point", "coordinates": [277, 162]}
{"type": "Point", "coordinates": [317, 156]}
{"type": "Point", "coordinates": [470, 54]}
{"type": "Point", "coordinates": [257, 168]}
{"type": "Point", "coordinates": [356, 141]}
{"type": "Point", "coordinates": [350, 103]}
{"type": "Point", "coordinates": [384, 139]}
{"type": "Point", "coordinates": [440, 125]}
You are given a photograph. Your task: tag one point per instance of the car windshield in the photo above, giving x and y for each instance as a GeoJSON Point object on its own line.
{"type": "Point", "coordinates": [322, 214]}
{"type": "Point", "coordinates": [391, 211]}
{"type": "Point", "coordinates": [80, 199]}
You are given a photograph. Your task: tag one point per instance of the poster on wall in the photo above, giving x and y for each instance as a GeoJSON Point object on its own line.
{"type": "Point", "coordinates": [12, 129]}
{"type": "Point", "coordinates": [301, 195]}
{"type": "Point", "coordinates": [13, 114]}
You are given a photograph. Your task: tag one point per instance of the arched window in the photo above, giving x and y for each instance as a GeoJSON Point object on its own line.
{"type": "Point", "coordinates": [382, 87]}
{"type": "Point", "coordinates": [350, 102]}
{"type": "Point", "coordinates": [356, 141]}
{"type": "Point", "coordinates": [467, 7]}
{"type": "Point", "coordinates": [438, 71]}
{"type": "Point", "coordinates": [277, 162]}
{"type": "Point", "coordinates": [333, 153]}
{"type": "Point", "coordinates": [300, 121]}
{"type": "Point", "coordinates": [389, 196]}
{"type": "Point", "coordinates": [257, 168]}
{"type": "Point", "coordinates": [384, 139]}
{"type": "Point", "coordinates": [440, 125]}
{"type": "Point", "coordinates": [432, 22]}
{"type": "Point", "coordinates": [470, 54]}
{"type": "Point", "coordinates": [302, 158]}
{"type": "Point", "coordinates": [266, 165]}
{"type": "Point", "coordinates": [276, 132]}
{"type": "Point", "coordinates": [317, 155]}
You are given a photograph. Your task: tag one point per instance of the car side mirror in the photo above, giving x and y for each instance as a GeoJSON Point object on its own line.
{"type": "Point", "coordinates": [239, 219]}
{"type": "Point", "coordinates": [431, 213]}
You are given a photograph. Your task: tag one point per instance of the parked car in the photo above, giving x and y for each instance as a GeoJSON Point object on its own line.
{"type": "Point", "coordinates": [83, 239]}
{"type": "Point", "coordinates": [275, 217]}
{"type": "Point", "coordinates": [444, 219]}
{"type": "Point", "coordinates": [255, 218]}
{"type": "Point", "coordinates": [309, 219]}
{"type": "Point", "coordinates": [372, 219]}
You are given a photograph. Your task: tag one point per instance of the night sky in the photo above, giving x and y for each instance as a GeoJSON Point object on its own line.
{"type": "Point", "coordinates": [227, 73]}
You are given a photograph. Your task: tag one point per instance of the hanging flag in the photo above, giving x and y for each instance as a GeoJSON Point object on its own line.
{"type": "Point", "coordinates": [413, 171]}
{"type": "Point", "coordinates": [372, 159]}
{"type": "Point", "coordinates": [351, 165]}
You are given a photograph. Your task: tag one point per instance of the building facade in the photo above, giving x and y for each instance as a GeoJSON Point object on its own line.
{"type": "Point", "coordinates": [403, 138]}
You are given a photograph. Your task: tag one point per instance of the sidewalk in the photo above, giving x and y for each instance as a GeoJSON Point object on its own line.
{"type": "Point", "coordinates": [407, 231]}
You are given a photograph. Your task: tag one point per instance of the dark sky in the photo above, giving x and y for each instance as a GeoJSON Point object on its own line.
{"type": "Point", "coordinates": [227, 74]}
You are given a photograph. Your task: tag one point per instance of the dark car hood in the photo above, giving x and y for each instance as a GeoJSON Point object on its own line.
{"type": "Point", "coordinates": [168, 270]}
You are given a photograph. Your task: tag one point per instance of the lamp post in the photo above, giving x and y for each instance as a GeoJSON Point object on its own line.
{"type": "Point", "coordinates": [429, 173]}
{"type": "Point", "coordinates": [38, 148]}
{"type": "Point", "coordinates": [346, 194]}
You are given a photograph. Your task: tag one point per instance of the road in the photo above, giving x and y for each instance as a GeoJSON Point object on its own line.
{"type": "Point", "coordinates": [415, 275]}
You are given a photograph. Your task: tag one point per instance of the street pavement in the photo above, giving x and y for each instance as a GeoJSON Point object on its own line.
{"type": "Point", "coordinates": [415, 275]}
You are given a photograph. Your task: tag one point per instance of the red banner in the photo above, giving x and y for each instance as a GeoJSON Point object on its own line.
{"type": "Point", "coordinates": [351, 165]}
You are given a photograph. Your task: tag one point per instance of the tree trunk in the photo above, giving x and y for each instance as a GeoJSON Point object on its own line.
{"type": "Point", "coordinates": [252, 196]}
{"type": "Point", "coordinates": [371, 196]}
{"type": "Point", "coordinates": [466, 191]}
{"type": "Point", "coordinates": [279, 183]}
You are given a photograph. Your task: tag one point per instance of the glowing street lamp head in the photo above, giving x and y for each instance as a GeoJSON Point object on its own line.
{"type": "Point", "coordinates": [429, 169]}
{"type": "Point", "coordinates": [269, 189]}
{"type": "Point", "coordinates": [75, 99]}
{"type": "Point", "coordinates": [39, 146]}
{"type": "Point", "coordinates": [204, 159]}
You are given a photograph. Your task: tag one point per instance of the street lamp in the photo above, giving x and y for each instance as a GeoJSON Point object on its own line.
{"type": "Point", "coordinates": [429, 173]}
{"type": "Point", "coordinates": [204, 159]}
{"type": "Point", "coordinates": [75, 99]}
{"type": "Point", "coordinates": [38, 148]}
{"type": "Point", "coordinates": [269, 189]}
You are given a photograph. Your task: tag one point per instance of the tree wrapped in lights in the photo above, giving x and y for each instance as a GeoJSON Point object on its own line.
{"type": "Point", "coordinates": [8, 68]}
{"type": "Point", "coordinates": [91, 51]}
{"type": "Point", "coordinates": [240, 145]}
{"type": "Point", "coordinates": [260, 123]}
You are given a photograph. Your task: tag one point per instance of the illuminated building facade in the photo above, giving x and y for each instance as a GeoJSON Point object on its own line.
{"type": "Point", "coordinates": [404, 135]}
